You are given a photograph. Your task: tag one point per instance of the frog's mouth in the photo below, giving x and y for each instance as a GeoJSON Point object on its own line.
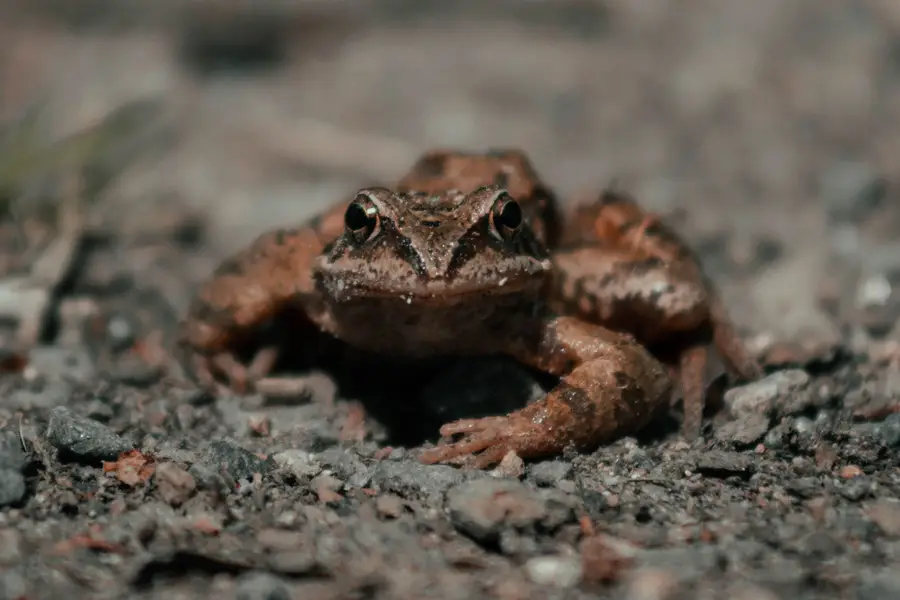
{"type": "Point", "coordinates": [441, 292]}
{"type": "Point", "coordinates": [434, 292]}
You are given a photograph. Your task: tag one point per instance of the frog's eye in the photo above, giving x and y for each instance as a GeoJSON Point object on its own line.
{"type": "Point", "coordinates": [506, 216]}
{"type": "Point", "coordinates": [361, 218]}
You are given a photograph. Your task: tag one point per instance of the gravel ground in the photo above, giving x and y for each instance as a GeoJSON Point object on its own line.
{"type": "Point", "coordinates": [766, 131]}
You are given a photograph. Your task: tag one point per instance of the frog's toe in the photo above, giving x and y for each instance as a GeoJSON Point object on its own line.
{"type": "Point", "coordinates": [492, 437]}
{"type": "Point", "coordinates": [463, 426]}
{"type": "Point", "coordinates": [234, 372]}
{"type": "Point", "coordinates": [492, 455]}
{"type": "Point", "coordinates": [262, 363]}
{"type": "Point", "coordinates": [201, 371]}
{"type": "Point", "coordinates": [455, 450]}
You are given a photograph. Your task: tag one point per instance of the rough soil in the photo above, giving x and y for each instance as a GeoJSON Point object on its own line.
{"type": "Point", "coordinates": [766, 131]}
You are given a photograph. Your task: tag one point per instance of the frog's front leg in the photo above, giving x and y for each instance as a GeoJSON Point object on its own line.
{"type": "Point", "coordinates": [610, 386]}
{"type": "Point", "coordinates": [248, 288]}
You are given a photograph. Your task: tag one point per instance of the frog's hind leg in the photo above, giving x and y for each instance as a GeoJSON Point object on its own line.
{"type": "Point", "coordinates": [627, 290]}
{"type": "Point", "coordinates": [626, 269]}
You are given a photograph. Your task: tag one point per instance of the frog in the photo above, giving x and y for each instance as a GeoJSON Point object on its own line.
{"type": "Point", "coordinates": [469, 254]}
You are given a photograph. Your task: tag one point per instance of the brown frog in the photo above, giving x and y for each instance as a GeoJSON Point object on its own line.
{"type": "Point", "coordinates": [455, 260]}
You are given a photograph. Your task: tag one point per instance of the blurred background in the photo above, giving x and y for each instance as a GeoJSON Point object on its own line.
{"type": "Point", "coordinates": [767, 131]}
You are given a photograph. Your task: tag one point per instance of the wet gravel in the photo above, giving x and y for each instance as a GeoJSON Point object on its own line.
{"type": "Point", "coordinates": [786, 495]}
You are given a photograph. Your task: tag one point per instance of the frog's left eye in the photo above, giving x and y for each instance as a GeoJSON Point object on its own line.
{"type": "Point", "coordinates": [506, 216]}
{"type": "Point", "coordinates": [361, 218]}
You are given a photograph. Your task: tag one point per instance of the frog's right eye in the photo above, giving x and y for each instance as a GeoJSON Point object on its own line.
{"type": "Point", "coordinates": [361, 218]}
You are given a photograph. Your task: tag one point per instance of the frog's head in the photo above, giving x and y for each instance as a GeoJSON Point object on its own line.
{"type": "Point", "coordinates": [426, 249]}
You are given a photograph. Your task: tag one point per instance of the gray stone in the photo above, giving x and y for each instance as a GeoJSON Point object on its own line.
{"type": "Point", "coordinates": [759, 397]}
{"type": "Point", "coordinates": [889, 430]}
{"type": "Point", "coordinates": [884, 585]}
{"type": "Point", "coordinates": [484, 508]}
{"type": "Point", "coordinates": [11, 454]}
{"type": "Point", "coordinates": [300, 463]}
{"type": "Point", "coordinates": [415, 480]}
{"type": "Point", "coordinates": [12, 487]}
{"type": "Point", "coordinates": [257, 585]}
{"type": "Point", "coordinates": [83, 438]}
{"type": "Point", "coordinates": [558, 571]}
{"type": "Point", "coordinates": [229, 456]}
{"type": "Point", "coordinates": [745, 430]}
{"type": "Point", "coordinates": [725, 464]}
{"type": "Point", "coordinates": [549, 473]}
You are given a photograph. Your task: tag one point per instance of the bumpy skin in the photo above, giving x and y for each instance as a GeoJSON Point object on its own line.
{"type": "Point", "coordinates": [439, 170]}
{"type": "Point", "coordinates": [454, 260]}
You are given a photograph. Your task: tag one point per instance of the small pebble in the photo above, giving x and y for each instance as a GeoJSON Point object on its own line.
{"type": "Point", "coordinates": [119, 333]}
{"type": "Point", "coordinates": [724, 464]}
{"type": "Point", "coordinates": [389, 505]}
{"type": "Point", "coordinates": [326, 482]}
{"type": "Point", "coordinates": [484, 508]}
{"type": "Point", "coordinates": [185, 416]}
{"type": "Point", "coordinates": [745, 430]}
{"type": "Point", "coordinates": [775, 439]}
{"type": "Point", "coordinates": [890, 430]}
{"type": "Point", "coordinates": [804, 426]}
{"type": "Point", "coordinates": [173, 484]}
{"type": "Point", "coordinates": [10, 547]}
{"type": "Point", "coordinates": [511, 466]}
{"type": "Point", "coordinates": [299, 462]}
{"type": "Point", "coordinates": [549, 473]}
{"type": "Point", "coordinates": [11, 454]}
{"type": "Point", "coordinates": [261, 586]}
{"type": "Point", "coordinates": [850, 471]}
{"type": "Point", "coordinates": [83, 438]}
{"type": "Point", "coordinates": [875, 290]}
{"type": "Point", "coordinates": [12, 487]}
{"type": "Point", "coordinates": [231, 457]}
{"type": "Point", "coordinates": [415, 479]}
{"type": "Point", "coordinates": [561, 572]}
{"type": "Point", "coordinates": [856, 489]}
{"type": "Point", "coordinates": [759, 397]}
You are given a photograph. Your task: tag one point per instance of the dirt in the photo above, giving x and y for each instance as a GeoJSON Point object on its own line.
{"type": "Point", "coordinates": [765, 131]}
